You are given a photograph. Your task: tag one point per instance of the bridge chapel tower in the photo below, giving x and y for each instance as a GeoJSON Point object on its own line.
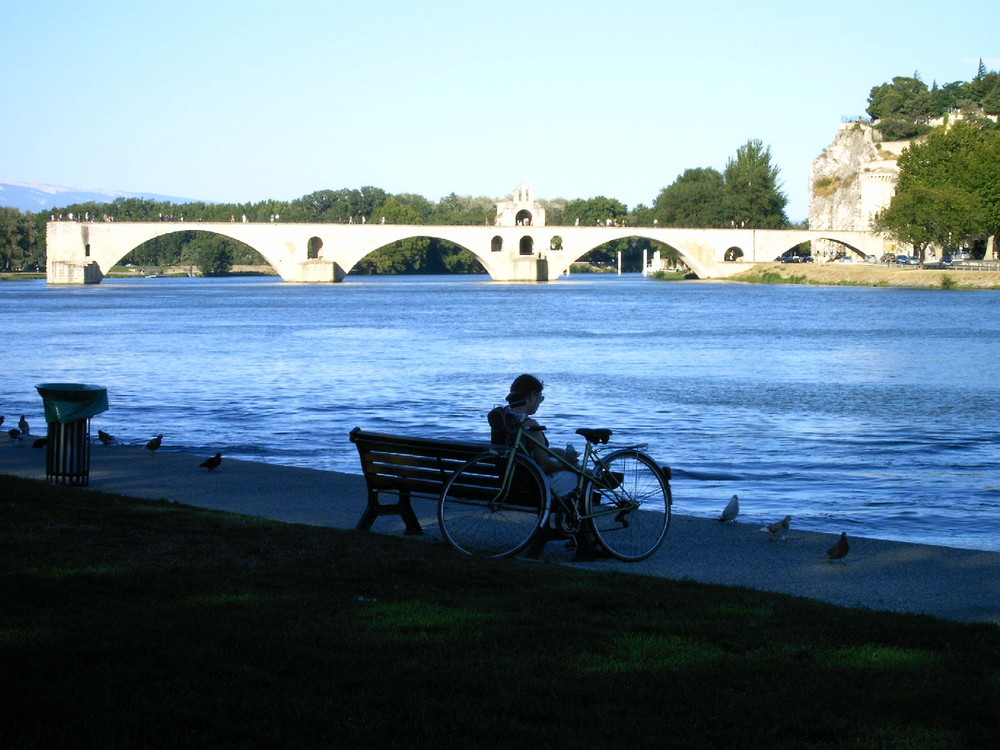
{"type": "Point", "coordinates": [521, 210]}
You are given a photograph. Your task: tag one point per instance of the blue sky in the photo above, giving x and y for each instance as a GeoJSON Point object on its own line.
{"type": "Point", "coordinates": [244, 101]}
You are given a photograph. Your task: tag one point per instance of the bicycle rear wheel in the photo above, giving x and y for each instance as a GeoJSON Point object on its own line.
{"type": "Point", "coordinates": [478, 516]}
{"type": "Point", "coordinates": [631, 514]}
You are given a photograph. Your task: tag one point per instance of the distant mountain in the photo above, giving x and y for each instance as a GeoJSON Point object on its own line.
{"type": "Point", "coordinates": [40, 198]}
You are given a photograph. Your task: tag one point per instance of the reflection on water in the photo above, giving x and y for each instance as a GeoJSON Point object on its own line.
{"type": "Point", "coordinates": [867, 410]}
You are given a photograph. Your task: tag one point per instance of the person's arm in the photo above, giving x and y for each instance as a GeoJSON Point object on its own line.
{"type": "Point", "coordinates": [533, 430]}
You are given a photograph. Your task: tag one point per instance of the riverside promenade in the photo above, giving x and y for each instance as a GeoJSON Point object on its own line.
{"type": "Point", "coordinates": [945, 582]}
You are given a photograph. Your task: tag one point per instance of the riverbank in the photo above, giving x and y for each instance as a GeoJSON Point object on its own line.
{"type": "Point", "coordinates": [956, 584]}
{"type": "Point", "coordinates": [847, 274]}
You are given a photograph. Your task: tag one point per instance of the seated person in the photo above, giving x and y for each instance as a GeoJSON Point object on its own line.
{"type": "Point", "coordinates": [522, 402]}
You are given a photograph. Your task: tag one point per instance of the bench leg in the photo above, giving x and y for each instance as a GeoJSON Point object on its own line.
{"type": "Point", "coordinates": [401, 508]}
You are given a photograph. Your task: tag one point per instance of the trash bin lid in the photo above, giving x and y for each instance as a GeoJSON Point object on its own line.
{"type": "Point", "coordinates": [69, 402]}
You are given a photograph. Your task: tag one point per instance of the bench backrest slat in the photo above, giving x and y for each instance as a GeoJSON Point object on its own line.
{"type": "Point", "coordinates": [423, 465]}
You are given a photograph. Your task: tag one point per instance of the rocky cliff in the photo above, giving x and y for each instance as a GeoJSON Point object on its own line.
{"type": "Point", "coordinates": [853, 178]}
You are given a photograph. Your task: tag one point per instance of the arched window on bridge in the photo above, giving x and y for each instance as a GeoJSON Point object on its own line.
{"type": "Point", "coordinates": [497, 244]}
{"type": "Point", "coordinates": [733, 253]}
{"type": "Point", "coordinates": [523, 218]}
{"type": "Point", "coordinates": [527, 245]}
{"type": "Point", "coordinates": [313, 248]}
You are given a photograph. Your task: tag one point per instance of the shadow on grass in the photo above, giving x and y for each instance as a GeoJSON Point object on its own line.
{"type": "Point", "coordinates": [131, 623]}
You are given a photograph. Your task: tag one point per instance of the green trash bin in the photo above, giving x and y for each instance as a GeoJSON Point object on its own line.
{"type": "Point", "coordinates": [68, 409]}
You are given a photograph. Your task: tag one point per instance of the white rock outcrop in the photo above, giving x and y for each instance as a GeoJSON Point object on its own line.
{"type": "Point", "coordinates": [853, 179]}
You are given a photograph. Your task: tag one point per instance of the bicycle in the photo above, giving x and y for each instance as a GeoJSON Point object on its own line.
{"type": "Point", "coordinates": [496, 502]}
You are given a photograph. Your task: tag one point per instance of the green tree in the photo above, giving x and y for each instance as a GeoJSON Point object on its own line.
{"type": "Point", "coordinates": [405, 256]}
{"type": "Point", "coordinates": [17, 239]}
{"type": "Point", "coordinates": [595, 211]}
{"type": "Point", "coordinates": [948, 190]}
{"type": "Point", "coordinates": [946, 98]}
{"type": "Point", "coordinates": [694, 199]}
{"type": "Point", "coordinates": [461, 209]}
{"type": "Point", "coordinates": [901, 108]}
{"type": "Point", "coordinates": [751, 195]}
{"type": "Point", "coordinates": [212, 254]}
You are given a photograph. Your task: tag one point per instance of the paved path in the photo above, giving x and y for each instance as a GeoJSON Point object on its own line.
{"type": "Point", "coordinates": [942, 581]}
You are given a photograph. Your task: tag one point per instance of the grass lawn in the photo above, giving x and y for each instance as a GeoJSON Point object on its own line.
{"type": "Point", "coordinates": [128, 623]}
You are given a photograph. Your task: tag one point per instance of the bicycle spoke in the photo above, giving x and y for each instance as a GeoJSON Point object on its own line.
{"type": "Point", "coordinates": [637, 520]}
{"type": "Point", "coordinates": [480, 514]}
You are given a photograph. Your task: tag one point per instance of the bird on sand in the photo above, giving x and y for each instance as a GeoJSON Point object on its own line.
{"type": "Point", "coordinates": [2, 418]}
{"type": "Point", "coordinates": [731, 510]}
{"type": "Point", "coordinates": [778, 529]}
{"type": "Point", "coordinates": [154, 444]}
{"type": "Point", "coordinates": [840, 549]}
{"type": "Point", "coordinates": [22, 425]}
{"type": "Point", "coordinates": [40, 443]}
{"type": "Point", "coordinates": [105, 438]}
{"type": "Point", "coordinates": [212, 463]}
{"type": "Point", "coordinates": [13, 433]}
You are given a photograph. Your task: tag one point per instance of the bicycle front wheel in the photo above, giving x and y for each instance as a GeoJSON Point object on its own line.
{"type": "Point", "coordinates": [629, 505]}
{"type": "Point", "coordinates": [481, 515]}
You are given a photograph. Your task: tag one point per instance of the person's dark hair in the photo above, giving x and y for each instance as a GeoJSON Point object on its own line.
{"type": "Point", "coordinates": [522, 387]}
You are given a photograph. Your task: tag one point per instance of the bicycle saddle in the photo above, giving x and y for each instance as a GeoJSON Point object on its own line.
{"type": "Point", "coordinates": [594, 435]}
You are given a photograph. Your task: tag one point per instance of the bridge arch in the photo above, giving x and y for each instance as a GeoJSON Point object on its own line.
{"type": "Point", "coordinates": [313, 247]}
{"type": "Point", "coordinates": [840, 242]}
{"type": "Point", "coordinates": [111, 256]}
{"type": "Point", "coordinates": [433, 253]}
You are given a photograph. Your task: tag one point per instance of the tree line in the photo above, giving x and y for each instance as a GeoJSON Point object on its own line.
{"type": "Point", "coordinates": [903, 108]}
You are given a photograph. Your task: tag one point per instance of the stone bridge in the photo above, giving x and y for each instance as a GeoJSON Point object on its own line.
{"type": "Point", "coordinates": [84, 252]}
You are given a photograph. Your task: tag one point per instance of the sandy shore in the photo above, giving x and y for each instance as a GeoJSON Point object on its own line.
{"type": "Point", "coordinates": [881, 575]}
{"type": "Point", "coordinates": [875, 275]}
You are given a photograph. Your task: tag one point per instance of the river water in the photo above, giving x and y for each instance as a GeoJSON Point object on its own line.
{"type": "Point", "coordinates": [870, 410]}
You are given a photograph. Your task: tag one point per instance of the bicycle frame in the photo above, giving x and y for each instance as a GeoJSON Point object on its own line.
{"type": "Point", "coordinates": [599, 477]}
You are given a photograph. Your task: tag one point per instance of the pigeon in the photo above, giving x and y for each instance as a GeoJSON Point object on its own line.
{"type": "Point", "coordinates": [105, 438]}
{"type": "Point", "coordinates": [2, 418]}
{"type": "Point", "coordinates": [154, 444]}
{"type": "Point", "coordinates": [212, 463]}
{"type": "Point", "coordinates": [778, 529]}
{"type": "Point", "coordinates": [22, 425]}
{"type": "Point", "coordinates": [40, 443]}
{"type": "Point", "coordinates": [13, 433]}
{"type": "Point", "coordinates": [840, 549]}
{"type": "Point", "coordinates": [732, 510]}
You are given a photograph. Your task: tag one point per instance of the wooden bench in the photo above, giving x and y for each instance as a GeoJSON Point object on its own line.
{"type": "Point", "coordinates": [406, 467]}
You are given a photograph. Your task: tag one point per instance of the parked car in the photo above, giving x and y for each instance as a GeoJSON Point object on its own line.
{"type": "Point", "coordinates": [806, 259]}
{"type": "Point", "coordinates": [945, 260]}
{"type": "Point", "coordinates": [902, 260]}
{"type": "Point", "coordinates": [888, 258]}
